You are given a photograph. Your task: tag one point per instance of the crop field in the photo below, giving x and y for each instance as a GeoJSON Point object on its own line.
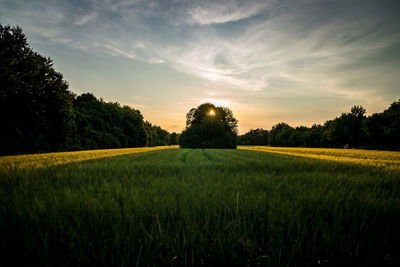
{"type": "Point", "coordinates": [385, 159]}
{"type": "Point", "coordinates": [252, 206]}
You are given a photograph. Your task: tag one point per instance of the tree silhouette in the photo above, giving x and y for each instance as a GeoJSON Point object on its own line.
{"type": "Point", "coordinates": [208, 126]}
{"type": "Point", "coordinates": [346, 129]}
{"type": "Point", "coordinates": [35, 104]}
{"type": "Point", "coordinates": [254, 137]}
{"type": "Point", "coordinates": [39, 114]}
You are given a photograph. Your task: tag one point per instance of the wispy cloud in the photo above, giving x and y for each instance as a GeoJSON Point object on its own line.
{"type": "Point", "coordinates": [85, 19]}
{"type": "Point", "coordinates": [217, 102]}
{"type": "Point", "coordinates": [215, 12]}
{"type": "Point", "coordinates": [296, 43]}
{"type": "Point", "coordinates": [339, 49]}
{"type": "Point", "coordinates": [114, 51]}
{"type": "Point", "coordinates": [285, 49]}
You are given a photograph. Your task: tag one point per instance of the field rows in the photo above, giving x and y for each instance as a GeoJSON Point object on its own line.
{"type": "Point", "coordinates": [200, 207]}
{"type": "Point", "coordinates": [377, 158]}
{"type": "Point", "coordinates": [29, 161]}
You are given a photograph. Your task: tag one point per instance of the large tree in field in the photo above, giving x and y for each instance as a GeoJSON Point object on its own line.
{"type": "Point", "coordinates": [35, 104]}
{"type": "Point", "coordinates": [208, 126]}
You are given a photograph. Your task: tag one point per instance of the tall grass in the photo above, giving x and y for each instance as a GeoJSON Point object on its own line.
{"type": "Point", "coordinates": [378, 158]}
{"type": "Point", "coordinates": [29, 161]}
{"type": "Point", "coordinates": [183, 207]}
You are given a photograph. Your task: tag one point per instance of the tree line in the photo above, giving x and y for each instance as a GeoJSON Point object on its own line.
{"type": "Point", "coordinates": [38, 112]}
{"type": "Point", "coordinates": [350, 130]}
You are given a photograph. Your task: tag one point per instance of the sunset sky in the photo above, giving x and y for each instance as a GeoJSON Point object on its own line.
{"type": "Point", "coordinates": [299, 61]}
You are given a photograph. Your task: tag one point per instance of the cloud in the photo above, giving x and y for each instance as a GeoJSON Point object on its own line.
{"type": "Point", "coordinates": [336, 48]}
{"type": "Point", "coordinates": [85, 19]}
{"type": "Point", "coordinates": [228, 64]}
{"type": "Point", "coordinates": [215, 12]}
{"type": "Point", "coordinates": [115, 51]}
{"type": "Point", "coordinates": [286, 49]}
{"type": "Point", "coordinates": [217, 102]}
{"type": "Point", "coordinates": [134, 105]}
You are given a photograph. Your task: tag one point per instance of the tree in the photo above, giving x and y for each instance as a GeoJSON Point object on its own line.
{"type": "Point", "coordinates": [280, 134]}
{"type": "Point", "coordinates": [156, 136]}
{"type": "Point", "coordinates": [254, 137]}
{"type": "Point", "coordinates": [358, 111]}
{"type": "Point", "coordinates": [106, 125]}
{"type": "Point", "coordinates": [374, 130]}
{"type": "Point", "coordinates": [39, 114]}
{"type": "Point", "coordinates": [174, 139]}
{"type": "Point", "coordinates": [208, 126]}
{"type": "Point", "coordinates": [392, 126]}
{"type": "Point", "coordinates": [35, 103]}
{"type": "Point", "coordinates": [346, 129]}
{"type": "Point", "coordinates": [382, 130]}
{"type": "Point", "coordinates": [314, 136]}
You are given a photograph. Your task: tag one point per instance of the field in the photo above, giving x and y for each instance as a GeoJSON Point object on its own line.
{"type": "Point", "coordinates": [253, 206]}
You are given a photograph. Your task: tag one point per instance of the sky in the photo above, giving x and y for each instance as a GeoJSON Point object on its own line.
{"type": "Point", "coordinates": [295, 61]}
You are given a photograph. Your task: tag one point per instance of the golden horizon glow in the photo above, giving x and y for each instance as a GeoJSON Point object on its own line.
{"type": "Point", "coordinates": [211, 113]}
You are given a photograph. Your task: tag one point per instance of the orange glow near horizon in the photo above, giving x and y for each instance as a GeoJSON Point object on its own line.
{"type": "Point", "coordinates": [211, 113]}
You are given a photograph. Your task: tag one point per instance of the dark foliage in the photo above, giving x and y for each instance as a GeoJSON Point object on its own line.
{"type": "Point", "coordinates": [382, 130]}
{"type": "Point", "coordinates": [106, 125]}
{"type": "Point", "coordinates": [350, 130]}
{"type": "Point", "coordinates": [174, 139]}
{"type": "Point", "coordinates": [35, 104]}
{"type": "Point", "coordinates": [155, 135]}
{"type": "Point", "coordinates": [39, 114]}
{"type": "Point", "coordinates": [346, 129]}
{"type": "Point", "coordinates": [205, 130]}
{"type": "Point", "coordinates": [254, 137]}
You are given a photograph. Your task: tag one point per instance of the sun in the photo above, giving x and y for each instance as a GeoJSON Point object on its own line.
{"type": "Point", "coordinates": [211, 112]}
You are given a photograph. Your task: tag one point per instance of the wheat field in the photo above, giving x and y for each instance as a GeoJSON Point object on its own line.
{"type": "Point", "coordinates": [253, 206]}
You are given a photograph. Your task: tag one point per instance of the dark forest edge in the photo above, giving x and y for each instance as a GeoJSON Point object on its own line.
{"type": "Point", "coordinates": [350, 130]}
{"type": "Point", "coordinates": [38, 113]}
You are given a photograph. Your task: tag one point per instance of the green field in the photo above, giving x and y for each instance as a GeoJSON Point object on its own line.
{"type": "Point", "coordinates": [254, 206]}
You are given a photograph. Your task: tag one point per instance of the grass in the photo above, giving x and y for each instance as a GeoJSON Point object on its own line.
{"type": "Point", "coordinates": [184, 207]}
{"type": "Point", "coordinates": [377, 158]}
{"type": "Point", "coordinates": [33, 161]}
